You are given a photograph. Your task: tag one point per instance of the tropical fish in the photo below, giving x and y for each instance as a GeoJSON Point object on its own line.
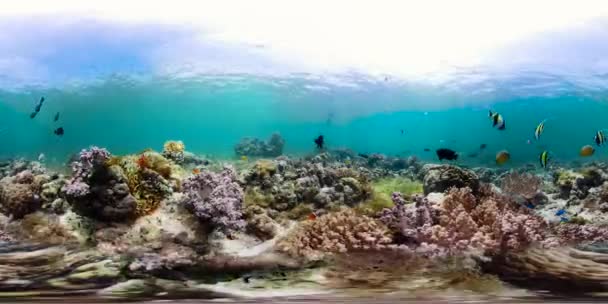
{"type": "Point", "coordinates": [560, 212]}
{"type": "Point", "coordinates": [502, 157]}
{"type": "Point", "coordinates": [37, 108]}
{"type": "Point", "coordinates": [446, 154]}
{"type": "Point", "coordinates": [600, 138]}
{"type": "Point", "coordinates": [320, 141]}
{"type": "Point", "coordinates": [59, 131]}
{"type": "Point", "coordinates": [196, 171]}
{"type": "Point", "coordinates": [544, 159]}
{"type": "Point", "coordinates": [482, 146]}
{"type": "Point", "coordinates": [539, 129]}
{"type": "Point", "coordinates": [56, 117]}
{"type": "Point", "coordinates": [244, 158]}
{"type": "Point", "coordinates": [497, 120]}
{"type": "Point", "coordinates": [587, 150]}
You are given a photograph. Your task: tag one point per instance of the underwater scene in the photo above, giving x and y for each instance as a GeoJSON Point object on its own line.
{"type": "Point", "coordinates": [180, 157]}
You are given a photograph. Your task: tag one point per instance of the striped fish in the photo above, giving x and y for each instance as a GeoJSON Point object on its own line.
{"type": "Point", "coordinates": [544, 159]}
{"type": "Point", "coordinates": [600, 138]}
{"type": "Point", "coordinates": [539, 129]}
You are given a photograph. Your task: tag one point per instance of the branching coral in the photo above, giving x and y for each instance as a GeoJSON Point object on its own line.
{"type": "Point", "coordinates": [333, 233]}
{"type": "Point", "coordinates": [460, 223]}
{"type": "Point", "coordinates": [215, 199]}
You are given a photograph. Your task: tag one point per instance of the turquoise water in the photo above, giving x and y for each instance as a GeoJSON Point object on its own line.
{"type": "Point", "coordinates": [211, 113]}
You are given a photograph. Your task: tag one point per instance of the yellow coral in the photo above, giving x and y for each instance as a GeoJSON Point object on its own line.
{"type": "Point", "coordinates": [174, 146]}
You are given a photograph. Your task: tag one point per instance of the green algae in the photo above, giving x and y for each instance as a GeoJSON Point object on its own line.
{"type": "Point", "coordinates": [382, 191]}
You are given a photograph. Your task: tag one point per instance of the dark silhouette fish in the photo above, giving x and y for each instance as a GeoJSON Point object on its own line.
{"type": "Point", "coordinates": [56, 117]}
{"type": "Point", "coordinates": [37, 108]}
{"type": "Point", "coordinates": [320, 141]}
{"type": "Point", "coordinates": [482, 146]}
{"type": "Point", "coordinates": [59, 131]}
{"type": "Point", "coordinates": [427, 150]}
{"type": "Point", "coordinates": [447, 154]}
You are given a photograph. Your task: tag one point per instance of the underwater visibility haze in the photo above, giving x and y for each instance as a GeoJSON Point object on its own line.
{"type": "Point", "coordinates": [258, 156]}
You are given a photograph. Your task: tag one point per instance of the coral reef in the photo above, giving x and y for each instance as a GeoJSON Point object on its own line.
{"type": "Point", "coordinates": [461, 222]}
{"type": "Point", "coordinates": [336, 232]}
{"type": "Point", "coordinates": [20, 194]}
{"type": "Point", "coordinates": [174, 150]}
{"type": "Point", "coordinates": [216, 199]}
{"type": "Point", "coordinates": [439, 178]}
{"type": "Point", "coordinates": [524, 187]}
{"type": "Point", "coordinates": [254, 147]}
{"type": "Point", "coordinates": [283, 184]}
{"type": "Point", "coordinates": [118, 188]}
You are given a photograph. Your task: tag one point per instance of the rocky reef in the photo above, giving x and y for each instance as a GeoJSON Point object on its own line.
{"type": "Point", "coordinates": [254, 147]}
{"type": "Point", "coordinates": [144, 224]}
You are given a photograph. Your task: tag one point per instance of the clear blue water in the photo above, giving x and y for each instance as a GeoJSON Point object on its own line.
{"type": "Point", "coordinates": [211, 113]}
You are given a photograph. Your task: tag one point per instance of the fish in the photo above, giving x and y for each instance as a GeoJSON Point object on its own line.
{"type": "Point", "coordinates": [482, 146]}
{"type": "Point", "coordinates": [320, 141]}
{"type": "Point", "coordinates": [502, 157]}
{"type": "Point", "coordinates": [427, 150]}
{"type": "Point", "coordinates": [56, 117]}
{"type": "Point", "coordinates": [244, 158]}
{"type": "Point", "coordinates": [312, 216]}
{"type": "Point", "coordinates": [544, 159]}
{"type": "Point", "coordinates": [196, 171]}
{"type": "Point", "coordinates": [587, 150]}
{"type": "Point", "coordinates": [600, 138]}
{"type": "Point", "coordinates": [560, 212]}
{"type": "Point", "coordinates": [402, 131]}
{"type": "Point", "coordinates": [446, 154]}
{"type": "Point", "coordinates": [497, 120]}
{"type": "Point", "coordinates": [59, 131]}
{"type": "Point", "coordinates": [347, 161]}
{"type": "Point", "coordinates": [41, 157]}
{"type": "Point", "coordinates": [37, 108]}
{"type": "Point", "coordinates": [363, 155]}
{"type": "Point", "coordinates": [539, 129]}
{"type": "Point", "coordinates": [530, 205]}
{"type": "Point", "coordinates": [39, 105]}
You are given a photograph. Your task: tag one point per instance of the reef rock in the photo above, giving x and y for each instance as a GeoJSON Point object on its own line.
{"type": "Point", "coordinates": [20, 194]}
{"type": "Point", "coordinates": [257, 148]}
{"type": "Point", "coordinates": [439, 178]}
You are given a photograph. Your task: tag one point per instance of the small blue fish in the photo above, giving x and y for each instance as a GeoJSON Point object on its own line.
{"type": "Point", "coordinates": [560, 212]}
{"type": "Point", "coordinates": [530, 205]}
{"type": "Point", "coordinates": [564, 219]}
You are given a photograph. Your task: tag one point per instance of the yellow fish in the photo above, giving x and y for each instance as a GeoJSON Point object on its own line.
{"type": "Point", "coordinates": [502, 157]}
{"type": "Point", "coordinates": [544, 159]}
{"type": "Point", "coordinates": [539, 129]}
{"type": "Point", "coordinates": [587, 150]}
{"type": "Point", "coordinates": [244, 158]}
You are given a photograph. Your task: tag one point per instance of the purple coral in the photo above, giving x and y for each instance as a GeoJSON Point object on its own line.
{"type": "Point", "coordinates": [215, 198]}
{"type": "Point", "coordinates": [461, 222]}
{"type": "Point", "coordinates": [82, 169]}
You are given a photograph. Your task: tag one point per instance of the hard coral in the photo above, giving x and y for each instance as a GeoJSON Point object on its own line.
{"type": "Point", "coordinates": [215, 199]}
{"type": "Point", "coordinates": [174, 150]}
{"type": "Point", "coordinates": [524, 185]}
{"type": "Point", "coordinates": [20, 194]}
{"type": "Point", "coordinates": [461, 222]}
{"type": "Point", "coordinates": [82, 170]}
{"type": "Point", "coordinates": [335, 233]}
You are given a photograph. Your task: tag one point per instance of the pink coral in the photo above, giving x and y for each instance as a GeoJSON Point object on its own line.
{"type": "Point", "coordinates": [461, 222]}
{"type": "Point", "coordinates": [582, 233]}
{"type": "Point", "coordinates": [78, 186]}
{"type": "Point", "coordinates": [337, 232]}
